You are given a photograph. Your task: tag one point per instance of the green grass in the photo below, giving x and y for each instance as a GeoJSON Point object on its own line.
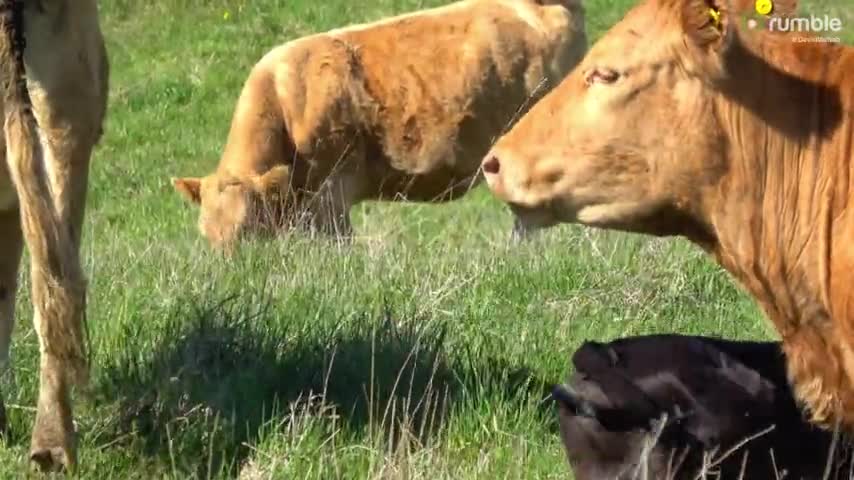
{"type": "Point", "coordinates": [422, 351]}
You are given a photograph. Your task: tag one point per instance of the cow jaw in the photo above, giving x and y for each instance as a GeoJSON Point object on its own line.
{"type": "Point", "coordinates": [609, 214]}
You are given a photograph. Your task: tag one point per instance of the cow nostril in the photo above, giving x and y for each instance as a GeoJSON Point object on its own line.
{"type": "Point", "coordinates": [491, 166]}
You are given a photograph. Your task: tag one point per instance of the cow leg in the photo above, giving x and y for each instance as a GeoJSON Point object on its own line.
{"type": "Point", "coordinates": [344, 186]}
{"type": "Point", "coordinates": [519, 233]}
{"type": "Point", "coordinates": [330, 209]}
{"type": "Point", "coordinates": [52, 222]}
{"type": "Point", "coordinates": [52, 123]}
{"type": "Point", "coordinates": [53, 443]}
{"type": "Point", "coordinates": [11, 244]}
{"type": "Point", "coordinates": [522, 232]}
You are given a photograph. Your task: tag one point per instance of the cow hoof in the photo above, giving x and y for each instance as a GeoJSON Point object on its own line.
{"type": "Point", "coordinates": [54, 459]}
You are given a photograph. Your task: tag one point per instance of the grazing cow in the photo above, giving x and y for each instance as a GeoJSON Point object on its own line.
{"type": "Point", "coordinates": [404, 108]}
{"type": "Point", "coordinates": [55, 95]}
{"type": "Point", "coordinates": [682, 121]}
{"type": "Point", "coordinates": [679, 406]}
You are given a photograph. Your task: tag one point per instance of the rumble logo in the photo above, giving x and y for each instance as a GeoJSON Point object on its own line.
{"type": "Point", "coordinates": [806, 24]}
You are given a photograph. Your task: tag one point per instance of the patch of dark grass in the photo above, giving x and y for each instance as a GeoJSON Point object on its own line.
{"type": "Point", "coordinates": [219, 372]}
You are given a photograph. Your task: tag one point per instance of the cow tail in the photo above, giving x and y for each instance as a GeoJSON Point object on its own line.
{"type": "Point", "coordinates": [58, 284]}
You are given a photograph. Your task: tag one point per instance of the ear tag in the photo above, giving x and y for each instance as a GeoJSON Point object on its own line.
{"type": "Point", "coordinates": [716, 17]}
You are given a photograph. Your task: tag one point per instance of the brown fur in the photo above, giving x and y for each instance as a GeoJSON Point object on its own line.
{"type": "Point", "coordinates": [740, 140]}
{"type": "Point", "coordinates": [54, 104]}
{"type": "Point", "coordinates": [403, 108]}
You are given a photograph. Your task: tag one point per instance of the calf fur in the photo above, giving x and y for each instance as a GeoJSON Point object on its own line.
{"type": "Point", "coordinates": [688, 401]}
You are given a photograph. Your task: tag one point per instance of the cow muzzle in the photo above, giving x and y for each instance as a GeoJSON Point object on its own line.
{"type": "Point", "coordinates": [534, 202]}
{"type": "Point", "coordinates": [494, 172]}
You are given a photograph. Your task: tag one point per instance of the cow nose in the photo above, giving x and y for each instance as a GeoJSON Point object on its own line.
{"type": "Point", "coordinates": [491, 166]}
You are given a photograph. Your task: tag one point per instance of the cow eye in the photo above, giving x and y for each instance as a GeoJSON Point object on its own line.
{"type": "Point", "coordinates": [601, 75]}
{"type": "Point", "coordinates": [229, 184]}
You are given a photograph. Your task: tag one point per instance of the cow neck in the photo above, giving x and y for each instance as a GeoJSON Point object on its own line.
{"type": "Point", "coordinates": [780, 214]}
{"type": "Point", "coordinates": [773, 215]}
{"type": "Point", "coordinates": [257, 137]}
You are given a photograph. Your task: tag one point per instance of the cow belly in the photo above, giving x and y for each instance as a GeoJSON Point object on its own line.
{"type": "Point", "coordinates": [437, 186]}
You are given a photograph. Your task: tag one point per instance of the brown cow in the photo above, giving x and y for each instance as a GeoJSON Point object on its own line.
{"type": "Point", "coordinates": [55, 66]}
{"type": "Point", "coordinates": [404, 108]}
{"type": "Point", "coordinates": [681, 120]}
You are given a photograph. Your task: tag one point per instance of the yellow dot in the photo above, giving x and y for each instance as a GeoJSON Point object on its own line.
{"type": "Point", "coordinates": [764, 7]}
{"type": "Point", "coordinates": [226, 15]}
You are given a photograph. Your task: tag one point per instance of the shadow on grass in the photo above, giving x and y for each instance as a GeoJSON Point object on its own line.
{"type": "Point", "coordinates": [202, 391]}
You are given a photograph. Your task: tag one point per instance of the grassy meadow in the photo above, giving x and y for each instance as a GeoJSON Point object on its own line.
{"type": "Point", "coordinates": [424, 350]}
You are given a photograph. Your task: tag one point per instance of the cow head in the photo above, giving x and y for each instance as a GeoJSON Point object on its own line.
{"type": "Point", "coordinates": [631, 139]}
{"type": "Point", "coordinates": [231, 205]}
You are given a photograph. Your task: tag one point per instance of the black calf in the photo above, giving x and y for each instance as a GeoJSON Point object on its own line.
{"type": "Point", "coordinates": [681, 403]}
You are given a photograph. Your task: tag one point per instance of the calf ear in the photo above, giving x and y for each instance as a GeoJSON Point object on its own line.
{"type": "Point", "coordinates": [190, 188]}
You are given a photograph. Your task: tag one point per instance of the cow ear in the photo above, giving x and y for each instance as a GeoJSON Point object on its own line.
{"type": "Point", "coordinates": [275, 179]}
{"type": "Point", "coordinates": [190, 188]}
{"type": "Point", "coordinates": [708, 24]}
{"type": "Point", "coordinates": [709, 28]}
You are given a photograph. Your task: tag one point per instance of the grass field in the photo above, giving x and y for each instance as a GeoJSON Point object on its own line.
{"type": "Point", "coordinates": [422, 351]}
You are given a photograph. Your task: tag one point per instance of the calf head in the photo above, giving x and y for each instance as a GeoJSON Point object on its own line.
{"type": "Point", "coordinates": [231, 205]}
{"type": "Point", "coordinates": [631, 139]}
